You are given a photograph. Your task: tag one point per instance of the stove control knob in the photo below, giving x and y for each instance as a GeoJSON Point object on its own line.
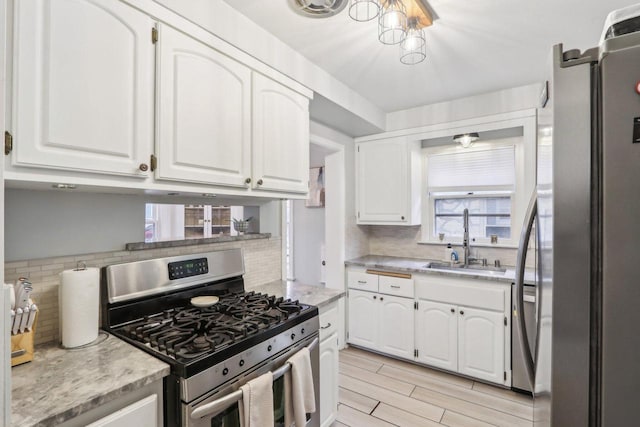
{"type": "Point", "coordinates": [293, 336]}
{"type": "Point", "coordinates": [225, 371]}
{"type": "Point", "coordinates": [302, 331]}
{"type": "Point", "coordinates": [269, 348]}
{"type": "Point", "coordinates": [241, 362]}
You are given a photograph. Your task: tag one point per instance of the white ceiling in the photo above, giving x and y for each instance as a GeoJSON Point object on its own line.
{"type": "Point", "coordinates": [476, 46]}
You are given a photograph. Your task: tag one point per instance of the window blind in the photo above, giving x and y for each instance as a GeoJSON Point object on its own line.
{"type": "Point", "coordinates": [467, 170]}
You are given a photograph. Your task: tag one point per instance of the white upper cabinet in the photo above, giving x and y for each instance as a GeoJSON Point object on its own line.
{"type": "Point", "coordinates": [83, 86]}
{"type": "Point", "coordinates": [280, 137]}
{"type": "Point", "coordinates": [204, 113]}
{"type": "Point", "coordinates": [388, 182]}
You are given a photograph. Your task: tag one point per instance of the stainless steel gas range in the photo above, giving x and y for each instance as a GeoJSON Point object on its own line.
{"type": "Point", "coordinates": [193, 313]}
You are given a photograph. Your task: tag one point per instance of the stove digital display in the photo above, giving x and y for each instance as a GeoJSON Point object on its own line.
{"type": "Point", "coordinates": [188, 268]}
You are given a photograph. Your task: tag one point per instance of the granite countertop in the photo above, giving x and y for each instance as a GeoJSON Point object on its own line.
{"type": "Point", "coordinates": [416, 265]}
{"type": "Point", "coordinates": [61, 384]}
{"type": "Point", "coordinates": [307, 294]}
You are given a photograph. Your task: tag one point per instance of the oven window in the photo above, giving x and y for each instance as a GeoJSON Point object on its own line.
{"type": "Point", "coordinates": [231, 416]}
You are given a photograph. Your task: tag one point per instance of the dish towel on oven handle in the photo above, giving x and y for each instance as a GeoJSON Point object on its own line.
{"type": "Point", "coordinates": [299, 394]}
{"type": "Point", "coordinates": [256, 405]}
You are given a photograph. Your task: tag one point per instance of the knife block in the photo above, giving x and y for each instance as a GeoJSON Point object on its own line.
{"type": "Point", "coordinates": [22, 345]}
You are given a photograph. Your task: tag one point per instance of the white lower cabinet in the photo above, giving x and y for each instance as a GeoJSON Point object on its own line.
{"type": "Point", "coordinates": [139, 414]}
{"type": "Point", "coordinates": [329, 325]}
{"type": "Point", "coordinates": [381, 322]}
{"type": "Point", "coordinates": [481, 344]}
{"type": "Point", "coordinates": [458, 324]}
{"type": "Point", "coordinates": [363, 323]}
{"type": "Point", "coordinates": [437, 334]}
{"type": "Point", "coordinates": [329, 380]}
{"type": "Point", "coordinates": [395, 332]}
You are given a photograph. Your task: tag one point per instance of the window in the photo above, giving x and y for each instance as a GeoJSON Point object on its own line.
{"type": "Point", "coordinates": [482, 180]}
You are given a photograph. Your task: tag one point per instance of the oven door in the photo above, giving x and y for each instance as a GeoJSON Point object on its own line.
{"type": "Point", "coordinates": [230, 417]}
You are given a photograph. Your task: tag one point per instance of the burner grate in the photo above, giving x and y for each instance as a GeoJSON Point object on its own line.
{"type": "Point", "coordinates": [186, 333]}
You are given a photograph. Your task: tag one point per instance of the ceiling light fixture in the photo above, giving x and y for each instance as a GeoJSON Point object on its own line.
{"type": "Point", "coordinates": [399, 22]}
{"type": "Point", "coordinates": [466, 139]}
{"type": "Point", "coordinates": [364, 10]}
{"type": "Point", "coordinates": [413, 48]}
{"type": "Point", "coordinates": [392, 24]}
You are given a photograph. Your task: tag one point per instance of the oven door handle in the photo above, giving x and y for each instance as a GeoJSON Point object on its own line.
{"type": "Point", "coordinates": [219, 405]}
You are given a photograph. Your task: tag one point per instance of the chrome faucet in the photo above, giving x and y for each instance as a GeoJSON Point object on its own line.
{"type": "Point", "coordinates": [465, 238]}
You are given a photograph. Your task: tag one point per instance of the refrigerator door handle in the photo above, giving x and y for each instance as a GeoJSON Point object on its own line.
{"type": "Point", "coordinates": [520, 267]}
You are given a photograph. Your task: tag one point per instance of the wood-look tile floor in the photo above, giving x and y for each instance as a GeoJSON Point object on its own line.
{"type": "Point", "coordinates": [381, 391]}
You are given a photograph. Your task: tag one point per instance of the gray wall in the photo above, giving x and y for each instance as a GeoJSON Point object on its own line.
{"type": "Point", "coordinates": [42, 224]}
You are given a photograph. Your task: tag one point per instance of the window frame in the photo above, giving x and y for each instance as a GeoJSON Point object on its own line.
{"type": "Point", "coordinates": [428, 235]}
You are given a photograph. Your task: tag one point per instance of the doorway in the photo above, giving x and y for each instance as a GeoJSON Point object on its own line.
{"type": "Point", "coordinates": [318, 233]}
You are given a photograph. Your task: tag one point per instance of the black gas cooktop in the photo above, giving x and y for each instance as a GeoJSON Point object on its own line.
{"type": "Point", "coordinates": [192, 338]}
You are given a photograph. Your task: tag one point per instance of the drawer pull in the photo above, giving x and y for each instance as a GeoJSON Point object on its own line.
{"type": "Point", "coordinates": [364, 282]}
{"type": "Point", "coordinates": [326, 327]}
{"type": "Point", "coordinates": [395, 286]}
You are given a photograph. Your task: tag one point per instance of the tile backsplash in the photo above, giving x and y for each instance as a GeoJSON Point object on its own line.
{"type": "Point", "coordinates": [403, 242]}
{"type": "Point", "coordinates": [262, 259]}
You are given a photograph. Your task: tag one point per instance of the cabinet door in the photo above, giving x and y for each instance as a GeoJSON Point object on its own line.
{"type": "Point", "coordinates": [396, 326]}
{"type": "Point", "coordinates": [363, 318]}
{"type": "Point", "coordinates": [83, 86]}
{"type": "Point", "coordinates": [437, 334]}
{"type": "Point", "coordinates": [204, 113]}
{"type": "Point", "coordinates": [140, 414]}
{"type": "Point", "coordinates": [329, 380]}
{"type": "Point", "coordinates": [382, 181]}
{"type": "Point", "coordinates": [280, 137]}
{"type": "Point", "coordinates": [481, 344]}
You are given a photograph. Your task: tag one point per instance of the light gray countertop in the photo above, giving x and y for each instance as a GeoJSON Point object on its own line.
{"type": "Point", "coordinates": [416, 265]}
{"type": "Point", "coordinates": [307, 294]}
{"type": "Point", "coordinates": [61, 384]}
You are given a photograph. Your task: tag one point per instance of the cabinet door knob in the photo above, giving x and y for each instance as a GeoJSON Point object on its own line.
{"type": "Point", "coordinates": [143, 167]}
{"type": "Point", "coordinates": [247, 181]}
{"type": "Point", "coordinates": [453, 310]}
{"type": "Point", "coordinates": [375, 297]}
{"type": "Point", "coordinates": [381, 299]}
{"type": "Point", "coordinates": [462, 312]}
{"type": "Point", "coordinates": [402, 218]}
{"type": "Point", "coordinates": [260, 182]}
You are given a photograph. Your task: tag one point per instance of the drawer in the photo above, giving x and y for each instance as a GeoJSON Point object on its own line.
{"type": "Point", "coordinates": [395, 286]}
{"type": "Point", "coordinates": [328, 321]}
{"type": "Point", "coordinates": [362, 281]}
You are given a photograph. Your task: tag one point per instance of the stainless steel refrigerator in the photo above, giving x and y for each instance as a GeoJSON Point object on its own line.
{"type": "Point", "coordinates": [586, 367]}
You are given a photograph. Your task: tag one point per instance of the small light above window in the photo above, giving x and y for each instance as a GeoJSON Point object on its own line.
{"type": "Point", "coordinates": [466, 139]}
{"type": "Point", "coordinates": [64, 186]}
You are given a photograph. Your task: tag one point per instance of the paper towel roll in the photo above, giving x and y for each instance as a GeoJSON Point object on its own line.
{"type": "Point", "coordinates": [79, 301]}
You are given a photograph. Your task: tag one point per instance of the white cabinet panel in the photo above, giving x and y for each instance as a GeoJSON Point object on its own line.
{"type": "Point", "coordinates": [83, 86]}
{"type": "Point", "coordinates": [204, 111]}
{"type": "Point", "coordinates": [396, 326]}
{"type": "Point", "coordinates": [280, 137]}
{"type": "Point", "coordinates": [362, 281]}
{"type": "Point", "coordinates": [364, 308]}
{"type": "Point", "coordinates": [139, 414]}
{"type": "Point", "coordinates": [437, 334]}
{"type": "Point", "coordinates": [388, 181]}
{"type": "Point", "coordinates": [481, 344]}
{"type": "Point", "coordinates": [395, 286]}
{"type": "Point", "coordinates": [329, 380]}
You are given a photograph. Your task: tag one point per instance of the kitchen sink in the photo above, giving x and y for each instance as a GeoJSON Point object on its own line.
{"type": "Point", "coordinates": [485, 270]}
